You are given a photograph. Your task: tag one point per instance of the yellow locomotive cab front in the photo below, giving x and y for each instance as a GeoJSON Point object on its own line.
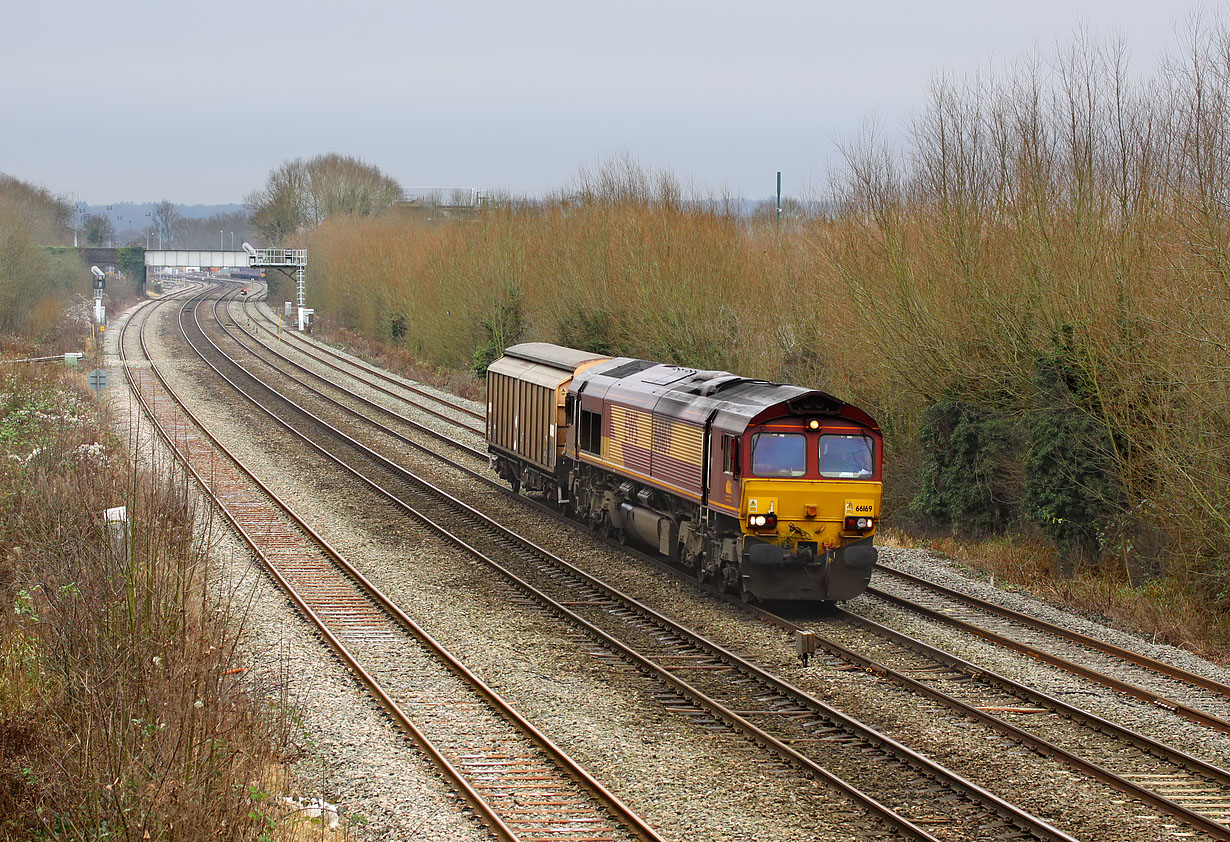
{"type": "Point", "coordinates": [811, 511]}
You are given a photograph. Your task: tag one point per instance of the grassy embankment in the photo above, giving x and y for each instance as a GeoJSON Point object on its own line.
{"type": "Point", "coordinates": [1033, 297]}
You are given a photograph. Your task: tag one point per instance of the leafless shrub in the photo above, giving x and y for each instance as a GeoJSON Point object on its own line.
{"type": "Point", "coordinates": [1066, 200]}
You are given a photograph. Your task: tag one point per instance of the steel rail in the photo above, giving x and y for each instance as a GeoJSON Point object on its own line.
{"type": "Point", "coordinates": [988, 799]}
{"type": "Point", "coordinates": [367, 368]}
{"type": "Point", "coordinates": [1145, 695]}
{"type": "Point", "coordinates": [476, 801]}
{"type": "Point", "coordinates": [422, 428]}
{"type": "Point", "coordinates": [1196, 820]}
{"type": "Point", "coordinates": [620, 811]}
{"type": "Point", "coordinates": [1162, 701]}
{"type": "Point", "coordinates": [718, 710]}
{"type": "Point", "coordinates": [1102, 646]}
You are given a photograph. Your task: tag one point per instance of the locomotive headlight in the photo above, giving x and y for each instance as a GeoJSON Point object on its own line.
{"type": "Point", "coordinates": [813, 424]}
{"type": "Point", "coordinates": [860, 523]}
{"type": "Point", "coordinates": [768, 521]}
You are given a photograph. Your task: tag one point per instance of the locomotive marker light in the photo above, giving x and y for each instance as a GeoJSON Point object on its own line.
{"type": "Point", "coordinates": [768, 521]}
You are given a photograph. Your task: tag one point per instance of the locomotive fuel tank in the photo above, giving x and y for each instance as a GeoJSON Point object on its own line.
{"type": "Point", "coordinates": [655, 531]}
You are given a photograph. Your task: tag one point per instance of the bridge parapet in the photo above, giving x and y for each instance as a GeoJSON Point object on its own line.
{"type": "Point", "coordinates": [196, 257]}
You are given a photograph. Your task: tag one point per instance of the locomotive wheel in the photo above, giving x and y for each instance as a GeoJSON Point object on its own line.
{"type": "Point", "coordinates": [747, 596]}
{"type": "Point", "coordinates": [695, 563]}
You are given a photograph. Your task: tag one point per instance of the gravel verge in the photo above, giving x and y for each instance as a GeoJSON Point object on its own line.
{"type": "Point", "coordinates": [347, 751]}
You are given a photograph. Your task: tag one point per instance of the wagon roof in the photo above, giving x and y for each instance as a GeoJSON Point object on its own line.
{"type": "Point", "coordinates": [544, 353]}
{"type": "Point", "coordinates": [695, 395]}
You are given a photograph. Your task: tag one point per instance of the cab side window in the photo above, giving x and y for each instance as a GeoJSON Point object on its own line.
{"type": "Point", "coordinates": [589, 432]}
{"type": "Point", "coordinates": [730, 455]}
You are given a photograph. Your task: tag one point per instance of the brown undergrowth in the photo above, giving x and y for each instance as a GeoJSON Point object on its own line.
{"type": "Point", "coordinates": [1030, 292]}
{"type": "Point", "coordinates": [399, 361]}
{"type": "Point", "coordinates": [126, 711]}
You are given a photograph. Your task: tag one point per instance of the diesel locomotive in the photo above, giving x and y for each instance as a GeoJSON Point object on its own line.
{"type": "Point", "coordinates": [766, 490]}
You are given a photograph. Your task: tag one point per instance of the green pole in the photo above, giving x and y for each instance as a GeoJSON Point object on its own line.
{"type": "Point", "coordinates": [779, 197]}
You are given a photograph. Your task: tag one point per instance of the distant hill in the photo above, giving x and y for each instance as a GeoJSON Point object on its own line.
{"type": "Point", "coordinates": [137, 211]}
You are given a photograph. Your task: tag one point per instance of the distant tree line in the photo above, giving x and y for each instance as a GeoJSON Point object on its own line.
{"type": "Point", "coordinates": [35, 283]}
{"type": "Point", "coordinates": [168, 228]}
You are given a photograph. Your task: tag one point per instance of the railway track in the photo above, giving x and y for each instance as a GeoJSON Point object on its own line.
{"type": "Point", "coordinates": [520, 785]}
{"type": "Point", "coordinates": [720, 688]}
{"type": "Point", "coordinates": [1189, 695]}
{"type": "Point", "coordinates": [959, 610]}
{"type": "Point", "coordinates": [372, 376]}
{"type": "Point", "coordinates": [1176, 783]}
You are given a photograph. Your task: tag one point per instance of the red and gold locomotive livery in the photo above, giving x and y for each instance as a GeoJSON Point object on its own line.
{"type": "Point", "coordinates": [771, 491]}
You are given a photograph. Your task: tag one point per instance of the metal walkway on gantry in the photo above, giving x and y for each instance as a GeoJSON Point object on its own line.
{"type": "Point", "coordinates": [285, 259]}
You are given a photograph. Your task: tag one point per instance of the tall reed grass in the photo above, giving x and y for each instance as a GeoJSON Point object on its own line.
{"type": "Point", "coordinates": [1035, 287]}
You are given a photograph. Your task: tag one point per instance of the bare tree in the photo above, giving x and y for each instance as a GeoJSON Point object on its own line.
{"type": "Point", "coordinates": [167, 222]}
{"type": "Point", "coordinates": [303, 193]}
{"type": "Point", "coordinates": [98, 229]}
{"type": "Point", "coordinates": [277, 208]}
{"type": "Point", "coordinates": [340, 184]}
{"type": "Point", "coordinates": [202, 233]}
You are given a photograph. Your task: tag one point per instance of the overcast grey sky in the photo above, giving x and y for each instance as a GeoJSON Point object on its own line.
{"type": "Point", "coordinates": [195, 102]}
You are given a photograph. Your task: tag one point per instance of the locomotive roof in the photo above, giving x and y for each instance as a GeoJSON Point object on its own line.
{"type": "Point", "coordinates": [544, 353]}
{"type": "Point", "coordinates": [695, 395]}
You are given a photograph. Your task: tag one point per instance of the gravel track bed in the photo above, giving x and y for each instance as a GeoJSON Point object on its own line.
{"type": "Point", "coordinates": [1198, 698]}
{"type": "Point", "coordinates": [345, 749]}
{"type": "Point", "coordinates": [1193, 741]}
{"type": "Point", "coordinates": [1106, 750]}
{"type": "Point", "coordinates": [274, 369]}
{"type": "Point", "coordinates": [1148, 719]}
{"type": "Point", "coordinates": [691, 784]}
{"type": "Point", "coordinates": [1087, 809]}
{"type": "Point", "coordinates": [266, 321]}
{"type": "Point", "coordinates": [775, 644]}
{"type": "Point", "coordinates": [899, 715]}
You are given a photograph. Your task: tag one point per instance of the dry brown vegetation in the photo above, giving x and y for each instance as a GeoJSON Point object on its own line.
{"type": "Point", "coordinates": [1032, 295]}
{"type": "Point", "coordinates": [36, 285]}
{"type": "Point", "coordinates": [123, 711]}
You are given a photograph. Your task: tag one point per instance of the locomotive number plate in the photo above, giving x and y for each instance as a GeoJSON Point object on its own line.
{"type": "Point", "coordinates": [860, 507]}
